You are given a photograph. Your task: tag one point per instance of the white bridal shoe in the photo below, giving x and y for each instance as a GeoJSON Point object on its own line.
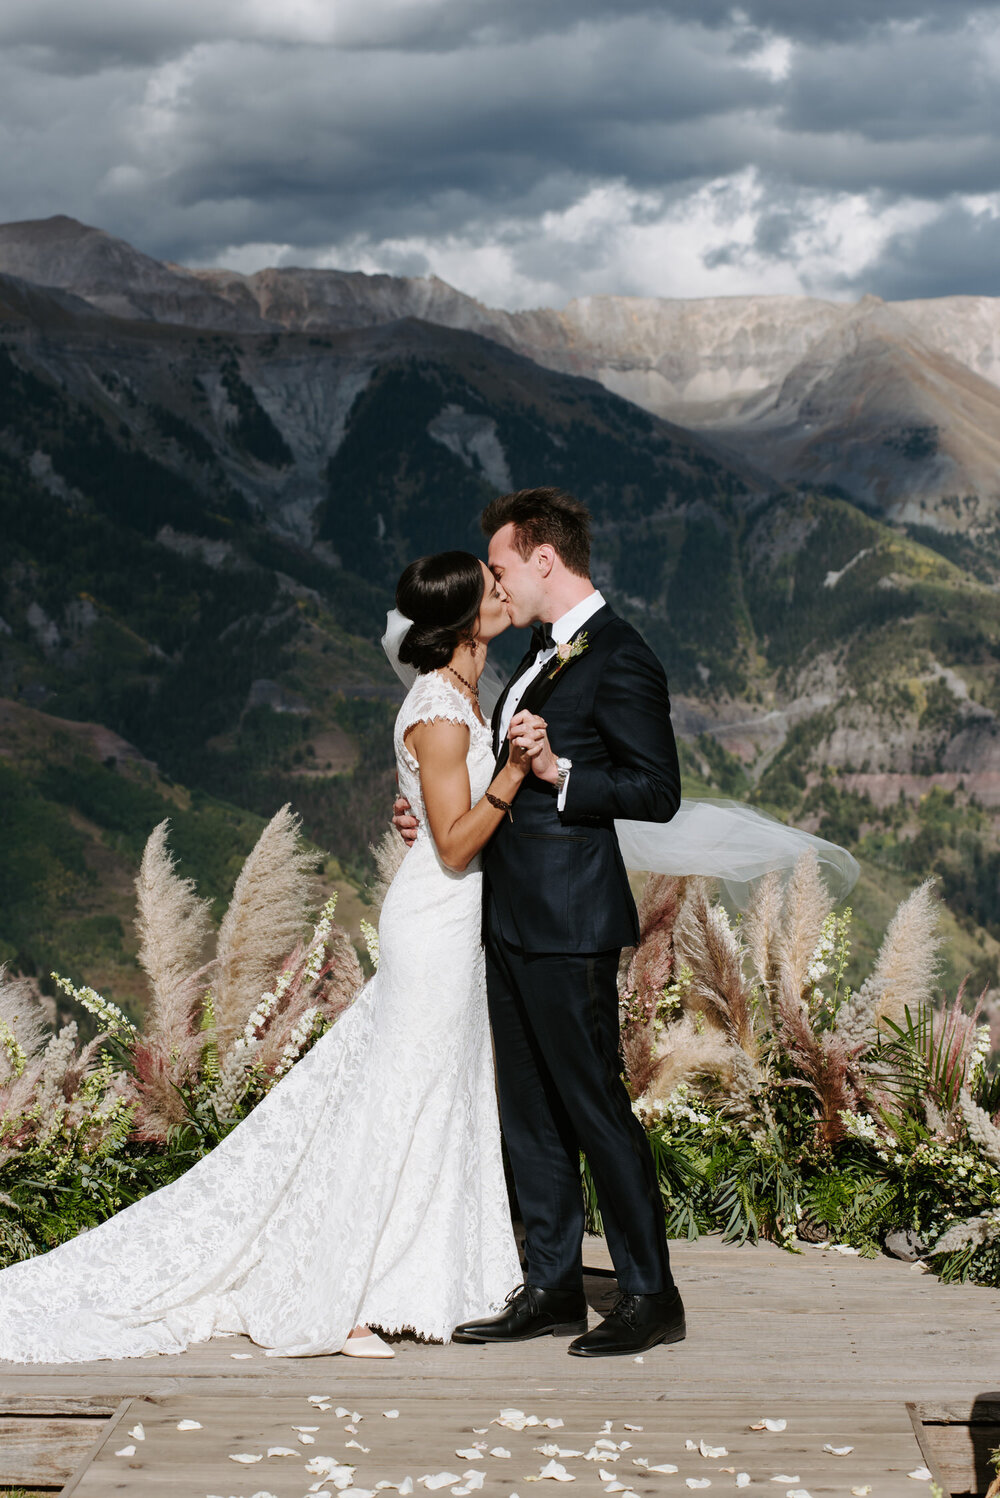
{"type": "Point", "coordinates": [364, 1343]}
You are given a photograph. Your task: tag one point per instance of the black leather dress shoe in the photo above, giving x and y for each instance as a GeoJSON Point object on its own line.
{"type": "Point", "coordinates": [635, 1323]}
{"type": "Point", "coordinates": [530, 1312]}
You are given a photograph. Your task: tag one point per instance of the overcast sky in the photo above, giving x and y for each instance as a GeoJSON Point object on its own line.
{"type": "Point", "coordinates": [527, 151]}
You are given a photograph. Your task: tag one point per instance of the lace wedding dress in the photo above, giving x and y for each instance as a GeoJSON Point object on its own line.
{"type": "Point", "coordinates": [367, 1187]}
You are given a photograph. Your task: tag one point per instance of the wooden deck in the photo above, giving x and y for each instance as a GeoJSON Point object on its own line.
{"type": "Point", "coordinates": [870, 1354]}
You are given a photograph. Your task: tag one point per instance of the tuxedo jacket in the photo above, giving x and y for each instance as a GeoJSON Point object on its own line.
{"type": "Point", "coordinates": [556, 880]}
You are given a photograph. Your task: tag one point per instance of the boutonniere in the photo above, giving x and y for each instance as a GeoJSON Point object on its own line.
{"type": "Point", "coordinates": [568, 651]}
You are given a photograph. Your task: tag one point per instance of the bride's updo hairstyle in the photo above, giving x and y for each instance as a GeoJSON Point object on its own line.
{"type": "Point", "coordinates": [442, 594]}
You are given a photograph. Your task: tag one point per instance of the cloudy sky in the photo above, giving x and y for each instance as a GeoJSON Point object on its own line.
{"type": "Point", "coordinates": [527, 151]}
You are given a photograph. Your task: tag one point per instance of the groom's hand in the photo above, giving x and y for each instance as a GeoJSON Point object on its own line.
{"type": "Point", "coordinates": [404, 821]}
{"type": "Point", "coordinates": [529, 732]}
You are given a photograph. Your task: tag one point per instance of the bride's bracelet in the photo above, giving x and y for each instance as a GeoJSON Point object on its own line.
{"type": "Point", "coordinates": [500, 805]}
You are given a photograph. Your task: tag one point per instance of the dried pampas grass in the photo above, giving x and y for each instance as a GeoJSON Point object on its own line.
{"type": "Point", "coordinates": [173, 925]}
{"type": "Point", "coordinates": [652, 962]}
{"type": "Point", "coordinates": [761, 925]}
{"type": "Point", "coordinates": [23, 1017]}
{"type": "Point", "coordinates": [388, 853]}
{"type": "Point", "coordinates": [907, 967]}
{"type": "Point", "coordinates": [690, 1050]}
{"type": "Point", "coordinates": [806, 906]}
{"type": "Point", "coordinates": [706, 943]}
{"type": "Point", "coordinates": [264, 920]}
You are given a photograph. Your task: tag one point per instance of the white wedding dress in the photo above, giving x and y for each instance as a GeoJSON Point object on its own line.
{"type": "Point", "coordinates": [367, 1187]}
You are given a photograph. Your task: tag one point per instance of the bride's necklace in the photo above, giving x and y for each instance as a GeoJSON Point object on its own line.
{"type": "Point", "coordinates": [472, 686]}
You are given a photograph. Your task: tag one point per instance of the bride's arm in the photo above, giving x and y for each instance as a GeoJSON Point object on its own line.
{"type": "Point", "coordinates": [460, 830]}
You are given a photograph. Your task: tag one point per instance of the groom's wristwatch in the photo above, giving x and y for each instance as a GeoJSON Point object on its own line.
{"type": "Point", "coordinates": [563, 767]}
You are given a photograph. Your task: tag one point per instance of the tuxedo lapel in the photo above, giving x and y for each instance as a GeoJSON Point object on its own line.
{"type": "Point", "coordinates": [546, 682]}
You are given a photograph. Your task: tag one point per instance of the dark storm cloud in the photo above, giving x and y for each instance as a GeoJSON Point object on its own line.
{"type": "Point", "coordinates": [200, 125]}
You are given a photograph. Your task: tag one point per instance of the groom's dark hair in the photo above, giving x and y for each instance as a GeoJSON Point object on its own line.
{"type": "Point", "coordinates": [544, 517]}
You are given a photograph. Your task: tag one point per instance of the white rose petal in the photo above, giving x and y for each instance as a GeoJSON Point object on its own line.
{"type": "Point", "coordinates": [303, 1428]}
{"type": "Point", "coordinates": [553, 1424]}
{"type": "Point", "coordinates": [469, 1453]}
{"type": "Point", "coordinates": [698, 1482]}
{"type": "Point", "coordinates": [340, 1412]}
{"type": "Point", "coordinates": [711, 1451]}
{"type": "Point", "coordinates": [189, 1425]}
{"type": "Point", "coordinates": [607, 1426]}
{"type": "Point", "coordinates": [282, 1451]}
{"type": "Point", "coordinates": [844, 1248]}
{"type": "Point", "coordinates": [612, 1485]}
{"type": "Point", "coordinates": [554, 1470]}
{"type": "Point", "coordinates": [480, 1431]}
{"type": "Point", "coordinates": [552, 1450]}
{"type": "Point", "coordinates": [605, 1445]}
{"type": "Point", "coordinates": [246, 1457]}
{"type": "Point", "coordinates": [632, 1427]}
{"type": "Point", "coordinates": [126, 1451]}
{"type": "Point", "coordinates": [358, 1446]}
{"type": "Point", "coordinates": [920, 1474]}
{"type": "Point", "coordinates": [499, 1451]}
{"type": "Point", "coordinates": [241, 1357]}
{"type": "Point", "coordinates": [137, 1433]}
{"type": "Point", "coordinates": [771, 1425]}
{"type": "Point", "coordinates": [838, 1450]}
{"type": "Point", "coordinates": [624, 1445]}
{"type": "Point", "coordinates": [784, 1477]}
{"type": "Point", "coordinates": [743, 1479]}
{"type": "Point", "coordinates": [664, 1467]}
{"type": "Point", "coordinates": [610, 1477]}
{"type": "Point", "coordinates": [862, 1492]}
{"type": "Point", "coordinates": [434, 1480]}
{"type": "Point", "coordinates": [474, 1480]}
{"type": "Point", "coordinates": [638, 1360]}
{"type": "Point", "coordinates": [798, 1493]}
{"type": "Point", "coordinates": [390, 1414]}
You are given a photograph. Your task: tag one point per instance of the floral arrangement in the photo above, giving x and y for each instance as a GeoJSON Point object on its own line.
{"type": "Point", "coordinates": [780, 1102]}
{"type": "Point", "coordinates": [84, 1131]}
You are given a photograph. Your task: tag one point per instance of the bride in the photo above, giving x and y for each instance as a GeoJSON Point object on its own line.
{"type": "Point", "coordinates": [367, 1188]}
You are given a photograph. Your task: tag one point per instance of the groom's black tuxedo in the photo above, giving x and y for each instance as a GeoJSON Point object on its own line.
{"type": "Point", "coordinates": [557, 911]}
{"type": "Point", "coordinates": [556, 879]}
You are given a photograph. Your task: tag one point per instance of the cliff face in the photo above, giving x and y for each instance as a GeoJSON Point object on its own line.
{"type": "Point", "coordinates": [895, 406]}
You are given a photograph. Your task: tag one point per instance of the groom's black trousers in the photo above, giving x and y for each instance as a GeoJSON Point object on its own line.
{"type": "Point", "coordinates": [555, 1029]}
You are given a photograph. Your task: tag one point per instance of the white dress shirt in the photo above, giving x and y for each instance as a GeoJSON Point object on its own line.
{"type": "Point", "coordinates": [563, 630]}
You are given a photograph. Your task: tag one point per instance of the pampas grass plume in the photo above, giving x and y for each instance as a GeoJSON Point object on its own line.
{"type": "Point", "coordinates": [907, 966]}
{"type": "Point", "coordinates": [806, 906]}
{"type": "Point", "coordinates": [388, 853]}
{"type": "Point", "coordinates": [264, 920]}
{"type": "Point", "coordinates": [173, 925]}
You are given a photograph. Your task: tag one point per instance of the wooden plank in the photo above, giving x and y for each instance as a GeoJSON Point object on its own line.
{"type": "Point", "coordinates": [98, 1406]}
{"type": "Point", "coordinates": [44, 1451]}
{"type": "Point", "coordinates": [428, 1433]}
{"type": "Point", "coordinates": [87, 1457]}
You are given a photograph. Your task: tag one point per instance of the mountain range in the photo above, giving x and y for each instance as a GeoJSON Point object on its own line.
{"type": "Point", "coordinates": [896, 405]}
{"type": "Point", "coordinates": [209, 483]}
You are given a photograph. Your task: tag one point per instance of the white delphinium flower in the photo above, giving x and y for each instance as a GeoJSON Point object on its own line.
{"type": "Point", "coordinates": [819, 964]}
{"type": "Point", "coordinates": [671, 1000]}
{"type": "Point", "coordinates": [370, 934]}
{"type": "Point", "coordinates": [300, 1034]}
{"type": "Point", "coordinates": [979, 1051]}
{"type": "Point", "coordinates": [860, 1126]}
{"type": "Point", "coordinates": [678, 1106]}
{"type": "Point", "coordinates": [112, 1019]}
{"type": "Point", "coordinates": [316, 954]}
{"type": "Point", "coordinates": [16, 1054]}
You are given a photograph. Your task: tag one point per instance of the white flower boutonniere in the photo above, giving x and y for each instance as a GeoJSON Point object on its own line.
{"type": "Point", "coordinates": [568, 651]}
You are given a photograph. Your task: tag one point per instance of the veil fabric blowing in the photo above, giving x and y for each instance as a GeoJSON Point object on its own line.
{"type": "Point", "coordinates": [718, 839]}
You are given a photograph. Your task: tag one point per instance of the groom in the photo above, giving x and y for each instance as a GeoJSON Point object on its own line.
{"type": "Point", "coordinates": [557, 912]}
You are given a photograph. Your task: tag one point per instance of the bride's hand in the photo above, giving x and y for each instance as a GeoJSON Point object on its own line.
{"type": "Point", "coordinates": [528, 737]}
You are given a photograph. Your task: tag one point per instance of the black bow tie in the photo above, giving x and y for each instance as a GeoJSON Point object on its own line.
{"type": "Point", "coordinates": [541, 637]}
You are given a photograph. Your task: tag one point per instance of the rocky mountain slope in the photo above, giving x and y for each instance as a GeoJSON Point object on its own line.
{"type": "Point", "coordinates": [201, 528]}
{"type": "Point", "coordinates": [897, 406]}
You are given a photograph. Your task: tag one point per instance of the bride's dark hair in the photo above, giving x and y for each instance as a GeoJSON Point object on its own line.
{"type": "Point", "coordinates": [442, 594]}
